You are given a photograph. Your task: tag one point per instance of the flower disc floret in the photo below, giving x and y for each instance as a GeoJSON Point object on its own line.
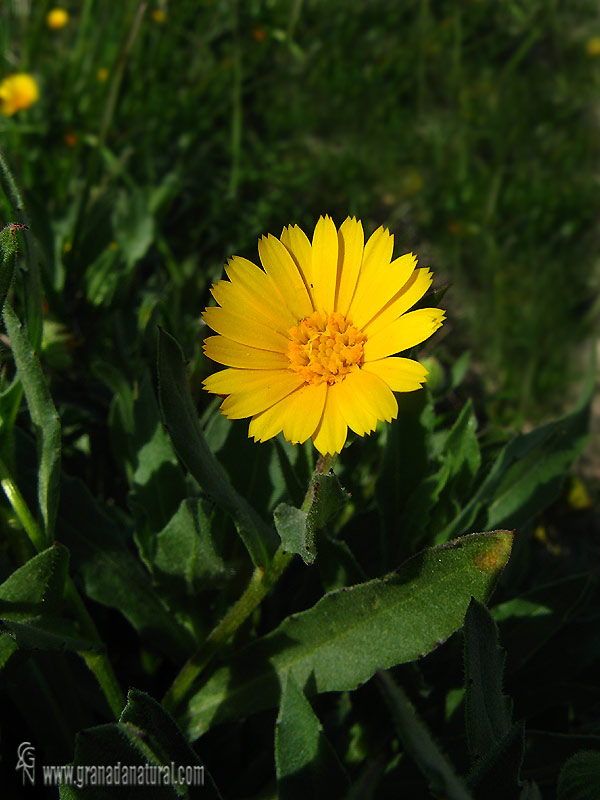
{"type": "Point", "coordinates": [325, 348]}
{"type": "Point", "coordinates": [309, 340]}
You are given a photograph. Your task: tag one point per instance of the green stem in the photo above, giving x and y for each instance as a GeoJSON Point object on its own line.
{"type": "Point", "coordinates": [21, 509]}
{"type": "Point", "coordinates": [261, 583]}
{"type": "Point", "coordinates": [96, 660]}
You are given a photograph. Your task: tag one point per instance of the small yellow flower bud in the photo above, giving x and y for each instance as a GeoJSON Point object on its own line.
{"type": "Point", "coordinates": [57, 18]}
{"type": "Point", "coordinates": [18, 92]}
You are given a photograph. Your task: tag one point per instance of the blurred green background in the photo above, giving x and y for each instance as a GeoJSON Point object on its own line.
{"type": "Point", "coordinates": [169, 136]}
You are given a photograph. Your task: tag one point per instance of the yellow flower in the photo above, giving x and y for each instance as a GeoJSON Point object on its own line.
{"type": "Point", "coordinates": [159, 16]}
{"type": "Point", "coordinates": [102, 74]}
{"type": "Point", "coordinates": [592, 46]}
{"type": "Point", "coordinates": [57, 18]}
{"type": "Point", "coordinates": [17, 92]}
{"type": "Point", "coordinates": [310, 340]}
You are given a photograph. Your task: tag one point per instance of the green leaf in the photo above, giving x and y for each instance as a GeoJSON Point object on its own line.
{"type": "Point", "coordinates": [31, 599]}
{"type": "Point", "coordinates": [141, 746]}
{"type": "Point", "coordinates": [185, 548]}
{"type": "Point", "coordinates": [111, 575]}
{"type": "Point", "coordinates": [399, 476]}
{"type": "Point", "coordinates": [496, 775]}
{"type": "Point", "coordinates": [546, 751]}
{"type": "Point", "coordinates": [8, 646]}
{"type": "Point", "coordinates": [306, 763]}
{"type": "Point", "coordinates": [157, 481]}
{"type": "Point", "coordinates": [341, 641]}
{"type": "Point", "coordinates": [529, 621]}
{"type": "Point", "coordinates": [487, 710]}
{"type": "Point", "coordinates": [298, 527]}
{"type": "Point", "coordinates": [133, 224]}
{"type": "Point", "coordinates": [48, 633]}
{"type": "Point", "coordinates": [43, 415]}
{"type": "Point", "coordinates": [37, 587]}
{"type": "Point", "coordinates": [420, 745]}
{"type": "Point", "coordinates": [579, 778]}
{"type": "Point", "coordinates": [528, 473]}
{"type": "Point", "coordinates": [182, 424]}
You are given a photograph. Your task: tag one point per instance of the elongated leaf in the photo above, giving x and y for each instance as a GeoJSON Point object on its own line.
{"type": "Point", "coordinates": [418, 742]}
{"type": "Point", "coordinates": [496, 775]}
{"type": "Point", "coordinates": [48, 633]}
{"type": "Point", "coordinates": [158, 480]}
{"type": "Point", "coordinates": [43, 415]}
{"type": "Point", "coordinates": [340, 642]}
{"type": "Point", "coordinates": [529, 621]}
{"type": "Point", "coordinates": [528, 472]}
{"type": "Point", "coordinates": [487, 710]}
{"type": "Point", "coordinates": [143, 753]}
{"type": "Point", "coordinates": [182, 423]}
{"type": "Point", "coordinates": [307, 765]}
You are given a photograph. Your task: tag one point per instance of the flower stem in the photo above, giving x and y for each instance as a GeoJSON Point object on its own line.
{"type": "Point", "coordinates": [261, 583]}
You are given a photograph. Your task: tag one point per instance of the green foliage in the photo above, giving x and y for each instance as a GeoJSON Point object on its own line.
{"type": "Point", "coordinates": [306, 762]}
{"type": "Point", "coordinates": [441, 777]}
{"type": "Point", "coordinates": [146, 542]}
{"type": "Point", "coordinates": [379, 624]}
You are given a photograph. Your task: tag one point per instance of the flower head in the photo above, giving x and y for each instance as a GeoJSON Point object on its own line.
{"type": "Point", "coordinates": [592, 46]}
{"type": "Point", "coordinates": [17, 92]}
{"type": "Point", "coordinates": [310, 339]}
{"type": "Point", "coordinates": [57, 18]}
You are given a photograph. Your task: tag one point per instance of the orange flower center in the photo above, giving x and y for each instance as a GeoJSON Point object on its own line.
{"type": "Point", "coordinates": [325, 347]}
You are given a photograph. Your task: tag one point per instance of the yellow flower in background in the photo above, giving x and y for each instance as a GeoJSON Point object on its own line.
{"type": "Point", "coordinates": [17, 92]}
{"type": "Point", "coordinates": [592, 46]}
{"type": "Point", "coordinates": [159, 16]}
{"type": "Point", "coordinates": [102, 74]}
{"type": "Point", "coordinates": [57, 18]}
{"type": "Point", "coordinates": [310, 339]}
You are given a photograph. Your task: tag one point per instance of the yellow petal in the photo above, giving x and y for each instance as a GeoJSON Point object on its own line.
{"type": "Point", "coordinates": [377, 398]}
{"type": "Point", "coordinates": [255, 282]}
{"type": "Point", "coordinates": [281, 268]}
{"type": "Point", "coordinates": [298, 244]}
{"type": "Point", "coordinates": [270, 422]}
{"type": "Point", "coordinates": [351, 240]}
{"type": "Point", "coordinates": [233, 354]}
{"type": "Point", "coordinates": [407, 331]}
{"type": "Point", "coordinates": [377, 255]}
{"type": "Point", "coordinates": [236, 297]}
{"type": "Point", "coordinates": [386, 281]}
{"type": "Point", "coordinates": [324, 264]}
{"type": "Point", "coordinates": [351, 406]}
{"type": "Point", "coordinates": [304, 413]}
{"type": "Point", "coordinates": [332, 430]}
{"type": "Point", "coordinates": [297, 415]}
{"type": "Point", "coordinates": [412, 291]}
{"type": "Point", "coordinates": [243, 330]}
{"type": "Point", "coordinates": [400, 374]}
{"type": "Point", "coordinates": [263, 390]}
